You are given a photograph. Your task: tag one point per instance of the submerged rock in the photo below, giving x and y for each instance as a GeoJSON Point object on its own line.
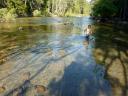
{"type": "Point", "coordinates": [16, 92]}
{"type": "Point", "coordinates": [40, 90]}
{"type": "Point", "coordinates": [2, 89]}
{"type": "Point", "coordinates": [116, 73]}
{"type": "Point", "coordinates": [26, 76]}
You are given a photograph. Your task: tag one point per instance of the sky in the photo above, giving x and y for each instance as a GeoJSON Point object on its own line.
{"type": "Point", "coordinates": [88, 0]}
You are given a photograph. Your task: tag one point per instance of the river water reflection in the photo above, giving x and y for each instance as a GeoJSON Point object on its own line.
{"type": "Point", "coordinates": [54, 53]}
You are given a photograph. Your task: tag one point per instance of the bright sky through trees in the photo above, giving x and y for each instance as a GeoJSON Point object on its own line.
{"type": "Point", "coordinates": [88, 0]}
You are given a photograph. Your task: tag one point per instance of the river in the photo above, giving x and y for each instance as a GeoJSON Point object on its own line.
{"type": "Point", "coordinates": [52, 52]}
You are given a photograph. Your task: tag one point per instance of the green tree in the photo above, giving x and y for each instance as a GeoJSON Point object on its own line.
{"type": "Point", "coordinates": [111, 8]}
{"type": "Point", "coordinates": [2, 3]}
{"type": "Point", "coordinates": [46, 7]}
{"type": "Point", "coordinates": [18, 5]}
{"type": "Point", "coordinates": [104, 8]}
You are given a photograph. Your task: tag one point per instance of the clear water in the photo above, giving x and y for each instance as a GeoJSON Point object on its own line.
{"type": "Point", "coordinates": [56, 54]}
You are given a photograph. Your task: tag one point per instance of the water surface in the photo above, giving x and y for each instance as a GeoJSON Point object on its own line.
{"type": "Point", "coordinates": [58, 57]}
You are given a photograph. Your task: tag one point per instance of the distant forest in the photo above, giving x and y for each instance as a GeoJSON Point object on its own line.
{"type": "Point", "coordinates": [96, 8]}
{"type": "Point", "coordinates": [21, 8]}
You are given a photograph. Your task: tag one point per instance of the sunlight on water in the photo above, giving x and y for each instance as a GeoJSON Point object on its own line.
{"type": "Point", "coordinates": [50, 56]}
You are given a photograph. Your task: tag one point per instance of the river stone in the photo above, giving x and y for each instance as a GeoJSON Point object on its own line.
{"type": "Point", "coordinates": [16, 92]}
{"type": "Point", "coordinates": [116, 75]}
{"type": "Point", "coordinates": [2, 89]}
{"type": "Point", "coordinates": [26, 76]}
{"type": "Point", "coordinates": [99, 55]}
{"type": "Point", "coordinates": [40, 90]}
{"type": "Point", "coordinates": [62, 52]}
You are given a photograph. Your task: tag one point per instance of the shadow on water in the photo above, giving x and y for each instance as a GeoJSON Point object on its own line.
{"type": "Point", "coordinates": [15, 41]}
{"type": "Point", "coordinates": [27, 85]}
{"type": "Point", "coordinates": [82, 76]}
{"type": "Point", "coordinates": [80, 79]}
{"type": "Point", "coordinates": [111, 51]}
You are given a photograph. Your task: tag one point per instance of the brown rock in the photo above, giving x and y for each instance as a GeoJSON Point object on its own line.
{"type": "Point", "coordinates": [116, 76]}
{"type": "Point", "coordinates": [2, 89]}
{"type": "Point", "coordinates": [26, 76]}
{"type": "Point", "coordinates": [40, 89]}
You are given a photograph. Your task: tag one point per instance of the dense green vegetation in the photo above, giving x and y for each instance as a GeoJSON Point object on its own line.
{"type": "Point", "coordinates": [19, 8]}
{"type": "Point", "coordinates": [111, 9]}
{"type": "Point", "coordinates": [10, 9]}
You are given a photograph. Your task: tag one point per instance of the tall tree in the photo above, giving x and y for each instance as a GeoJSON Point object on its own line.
{"type": "Point", "coordinates": [3, 3]}
{"type": "Point", "coordinates": [116, 8]}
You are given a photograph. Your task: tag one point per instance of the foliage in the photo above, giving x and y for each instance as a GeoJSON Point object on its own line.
{"type": "Point", "coordinates": [18, 5]}
{"type": "Point", "coordinates": [47, 7]}
{"type": "Point", "coordinates": [110, 8]}
{"type": "Point", "coordinates": [3, 11]}
{"type": "Point", "coordinates": [102, 9]}
{"type": "Point", "coordinates": [37, 13]}
{"type": "Point", "coordinates": [7, 14]}
{"type": "Point", "coordinates": [3, 3]}
{"type": "Point", "coordinates": [68, 7]}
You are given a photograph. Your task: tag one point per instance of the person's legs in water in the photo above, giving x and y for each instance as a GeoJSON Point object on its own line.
{"type": "Point", "coordinates": [87, 37]}
{"type": "Point", "coordinates": [86, 42]}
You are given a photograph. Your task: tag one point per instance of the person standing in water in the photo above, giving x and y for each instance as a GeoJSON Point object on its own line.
{"type": "Point", "coordinates": [88, 32]}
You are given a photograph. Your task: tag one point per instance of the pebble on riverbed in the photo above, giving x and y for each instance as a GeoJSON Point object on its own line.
{"type": "Point", "coordinates": [2, 89]}
{"type": "Point", "coordinates": [17, 92]}
{"type": "Point", "coordinates": [40, 89]}
{"type": "Point", "coordinates": [26, 76]}
{"type": "Point", "coordinates": [2, 61]}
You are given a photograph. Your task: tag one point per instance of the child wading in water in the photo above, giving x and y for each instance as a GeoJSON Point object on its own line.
{"type": "Point", "coordinates": [88, 32]}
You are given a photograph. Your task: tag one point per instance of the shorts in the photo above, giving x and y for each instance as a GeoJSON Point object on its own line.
{"type": "Point", "coordinates": [87, 37]}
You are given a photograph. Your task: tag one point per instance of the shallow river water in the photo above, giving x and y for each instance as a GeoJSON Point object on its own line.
{"type": "Point", "coordinates": [52, 53]}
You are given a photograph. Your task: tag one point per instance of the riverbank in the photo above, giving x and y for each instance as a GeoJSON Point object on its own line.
{"type": "Point", "coordinates": [50, 15]}
{"type": "Point", "coordinates": [110, 20]}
